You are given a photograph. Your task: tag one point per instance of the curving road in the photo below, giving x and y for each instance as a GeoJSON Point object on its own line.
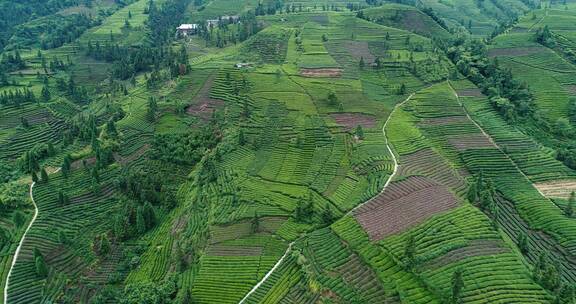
{"type": "Point", "coordinates": [349, 212]}
{"type": "Point", "coordinates": [22, 240]}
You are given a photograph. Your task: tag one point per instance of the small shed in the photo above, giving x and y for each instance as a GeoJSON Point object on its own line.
{"type": "Point", "coordinates": [187, 29]}
{"type": "Point", "coordinates": [212, 22]}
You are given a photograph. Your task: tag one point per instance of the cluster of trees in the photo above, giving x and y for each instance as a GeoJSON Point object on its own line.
{"type": "Point", "coordinates": [184, 148]}
{"type": "Point", "coordinates": [162, 21]}
{"type": "Point", "coordinates": [305, 213]}
{"type": "Point", "coordinates": [430, 12]}
{"type": "Point", "coordinates": [12, 62]}
{"type": "Point", "coordinates": [482, 193]}
{"type": "Point", "coordinates": [13, 196]}
{"type": "Point", "coordinates": [129, 61]}
{"type": "Point", "coordinates": [52, 31]}
{"type": "Point", "coordinates": [509, 96]}
{"type": "Point", "coordinates": [17, 97]}
{"type": "Point", "coordinates": [74, 92]}
{"type": "Point", "coordinates": [271, 8]}
{"type": "Point", "coordinates": [567, 155]}
{"type": "Point", "coordinates": [227, 32]}
{"type": "Point", "coordinates": [40, 263]}
{"type": "Point", "coordinates": [410, 262]}
{"type": "Point", "coordinates": [29, 161]}
{"type": "Point", "coordinates": [145, 187]}
{"type": "Point", "coordinates": [15, 13]}
{"type": "Point", "coordinates": [133, 220]}
{"type": "Point", "coordinates": [544, 37]}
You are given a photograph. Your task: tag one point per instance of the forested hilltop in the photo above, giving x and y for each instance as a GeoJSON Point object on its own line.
{"type": "Point", "coordinates": [282, 151]}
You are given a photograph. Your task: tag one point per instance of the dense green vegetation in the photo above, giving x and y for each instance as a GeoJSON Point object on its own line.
{"type": "Point", "coordinates": [287, 151]}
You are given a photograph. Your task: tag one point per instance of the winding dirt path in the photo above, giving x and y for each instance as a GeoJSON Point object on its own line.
{"type": "Point", "coordinates": [349, 212]}
{"type": "Point", "coordinates": [492, 141]}
{"type": "Point", "coordinates": [17, 252]}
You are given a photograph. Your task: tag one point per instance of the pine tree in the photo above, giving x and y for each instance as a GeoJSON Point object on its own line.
{"type": "Point", "coordinates": [41, 268]}
{"type": "Point", "coordinates": [66, 166]}
{"type": "Point", "coordinates": [46, 94]}
{"type": "Point", "coordinates": [18, 219]}
{"type": "Point", "coordinates": [327, 215]}
{"type": "Point", "coordinates": [332, 99]}
{"type": "Point", "coordinates": [50, 149]}
{"type": "Point", "coordinates": [61, 198]}
{"type": "Point", "coordinates": [34, 177]}
{"type": "Point", "coordinates": [140, 222]}
{"type": "Point", "coordinates": [152, 107]}
{"type": "Point", "coordinates": [361, 64]}
{"type": "Point", "coordinates": [149, 215]}
{"type": "Point", "coordinates": [241, 138]}
{"type": "Point", "coordinates": [111, 128]}
{"type": "Point", "coordinates": [472, 193]}
{"type": "Point", "coordinates": [457, 286]}
{"type": "Point", "coordinates": [402, 89]}
{"type": "Point", "coordinates": [359, 132]}
{"type": "Point", "coordinates": [255, 225]}
{"type": "Point", "coordinates": [44, 175]}
{"type": "Point", "coordinates": [62, 237]}
{"type": "Point", "coordinates": [570, 207]}
{"type": "Point", "coordinates": [523, 243]}
{"type": "Point", "coordinates": [410, 251]}
{"type": "Point", "coordinates": [104, 244]}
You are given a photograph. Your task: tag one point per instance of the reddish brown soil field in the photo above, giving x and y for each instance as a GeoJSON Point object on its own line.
{"type": "Point", "coordinates": [474, 92]}
{"type": "Point", "coordinates": [78, 163]}
{"type": "Point", "coordinates": [404, 204]}
{"type": "Point", "coordinates": [474, 248]}
{"type": "Point", "coordinates": [328, 72]}
{"type": "Point", "coordinates": [320, 19]}
{"type": "Point", "coordinates": [517, 51]}
{"type": "Point", "coordinates": [105, 192]}
{"type": "Point", "coordinates": [470, 141]}
{"type": "Point", "coordinates": [132, 157]}
{"type": "Point", "coordinates": [360, 49]}
{"type": "Point", "coordinates": [350, 120]}
{"type": "Point", "coordinates": [203, 105]}
{"type": "Point", "coordinates": [356, 273]}
{"type": "Point", "coordinates": [428, 163]}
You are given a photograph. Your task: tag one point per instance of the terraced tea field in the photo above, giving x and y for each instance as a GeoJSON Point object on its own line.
{"type": "Point", "coordinates": [288, 152]}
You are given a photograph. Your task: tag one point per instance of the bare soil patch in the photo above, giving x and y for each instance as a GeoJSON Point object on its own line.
{"type": "Point", "coordinates": [203, 105]}
{"type": "Point", "coordinates": [473, 92]}
{"type": "Point", "coordinates": [233, 231]}
{"type": "Point", "coordinates": [271, 224]}
{"type": "Point", "coordinates": [322, 72]}
{"type": "Point", "coordinates": [105, 192]}
{"type": "Point", "coordinates": [79, 163]}
{"type": "Point", "coordinates": [320, 19]}
{"type": "Point", "coordinates": [429, 163]}
{"type": "Point", "coordinates": [557, 188]}
{"type": "Point", "coordinates": [403, 205]}
{"type": "Point", "coordinates": [470, 141]}
{"type": "Point", "coordinates": [516, 51]}
{"type": "Point", "coordinates": [123, 160]}
{"type": "Point", "coordinates": [360, 49]}
{"type": "Point", "coordinates": [571, 88]}
{"type": "Point", "coordinates": [475, 248]}
{"type": "Point", "coordinates": [356, 273]}
{"type": "Point", "coordinates": [352, 120]}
